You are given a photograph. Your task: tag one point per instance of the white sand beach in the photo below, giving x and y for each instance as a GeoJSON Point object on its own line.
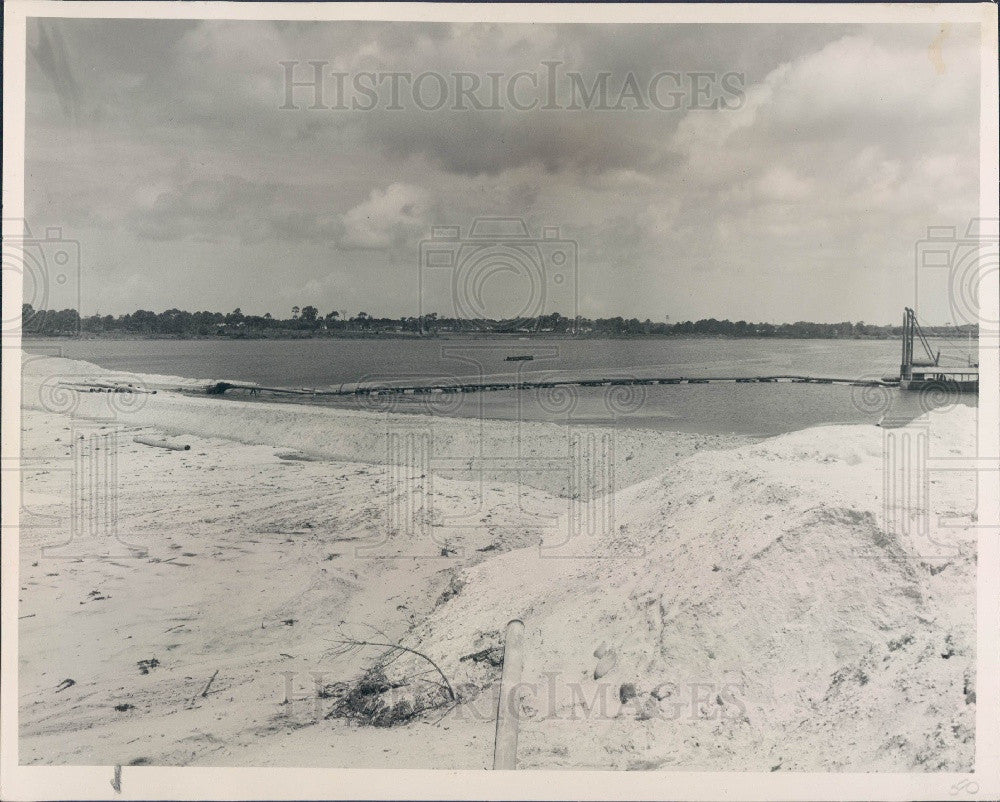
{"type": "Point", "coordinates": [732, 605]}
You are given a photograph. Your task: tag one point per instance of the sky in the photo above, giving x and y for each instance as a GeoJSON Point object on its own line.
{"type": "Point", "coordinates": [162, 148]}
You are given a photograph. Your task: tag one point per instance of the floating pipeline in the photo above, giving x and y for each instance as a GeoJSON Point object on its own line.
{"type": "Point", "coordinates": [219, 388]}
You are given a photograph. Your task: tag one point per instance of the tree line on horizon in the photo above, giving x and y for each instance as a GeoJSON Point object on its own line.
{"type": "Point", "coordinates": [307, 321]}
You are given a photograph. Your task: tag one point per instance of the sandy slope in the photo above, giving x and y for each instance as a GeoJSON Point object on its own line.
{"type": "Point", "coordinates": [757, 590]}
{"type": "Point", "coordinates": [790, 628]}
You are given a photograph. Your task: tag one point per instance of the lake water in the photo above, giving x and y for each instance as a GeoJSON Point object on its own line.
{"type": "Point", "coordinates": [758, 409]}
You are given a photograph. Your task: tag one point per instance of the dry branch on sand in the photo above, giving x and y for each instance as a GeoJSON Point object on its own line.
{"type": "Point", "coordinates": [375, 699]}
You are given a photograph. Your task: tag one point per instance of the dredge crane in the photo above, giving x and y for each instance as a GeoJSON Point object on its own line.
{"type": "Point", "coordinates": [926, 371]}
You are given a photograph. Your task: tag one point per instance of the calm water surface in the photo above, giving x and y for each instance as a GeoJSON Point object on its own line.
{"type": "Point", "coordinates": [739, 408]}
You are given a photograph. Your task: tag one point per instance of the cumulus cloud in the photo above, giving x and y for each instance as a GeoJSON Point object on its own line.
{"type": "Point", "coordinates": [163, 142]}
{"type": "Point", "coordinates": [388, 217]}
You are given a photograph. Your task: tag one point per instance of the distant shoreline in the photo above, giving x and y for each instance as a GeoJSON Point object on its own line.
{"type": "Point", "coordinates": [308, 324]}
{"type": "Point", "coordinates": [399, 335]}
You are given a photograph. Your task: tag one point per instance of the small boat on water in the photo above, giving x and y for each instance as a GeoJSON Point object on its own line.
{"type": "Point", "coordinates": [519, 358]}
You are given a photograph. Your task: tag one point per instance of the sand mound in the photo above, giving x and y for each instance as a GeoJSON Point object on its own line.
{"type": "Point", "coordinates": [760, 594]}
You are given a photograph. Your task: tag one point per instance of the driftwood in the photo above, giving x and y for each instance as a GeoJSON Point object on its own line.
{"type": "Point", "coordinates": [160, 442]}
{"type": "Point", "coordinates": [210, 681]}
